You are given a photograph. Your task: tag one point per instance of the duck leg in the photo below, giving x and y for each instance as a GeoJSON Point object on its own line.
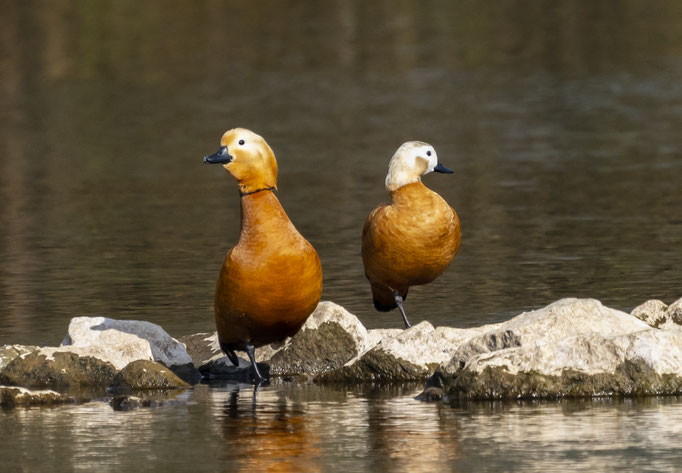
{"type": "Point", "coordinates": [231, 355]}
{"type": "Point", "coordinates": [399, 302]}
{"type": "Point", "coordinates": [252, 356]}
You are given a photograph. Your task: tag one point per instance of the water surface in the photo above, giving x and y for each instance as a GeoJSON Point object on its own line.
{"type": "Point", "coordinates": [293, 427]}
{"type": "Point", "coordinates": [562, 123]}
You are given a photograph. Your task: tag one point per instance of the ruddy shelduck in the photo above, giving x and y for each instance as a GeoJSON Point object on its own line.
{"type": "Point", "coordinates": [271, 280]}
{"type": "Point", "coordinates": [412, 239]}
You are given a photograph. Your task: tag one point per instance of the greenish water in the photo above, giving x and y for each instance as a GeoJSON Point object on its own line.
{"type": "Point", "coordinates": [561, 120]}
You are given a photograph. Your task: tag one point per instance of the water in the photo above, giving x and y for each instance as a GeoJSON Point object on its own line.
{"type": "Point", "coordinates": [309, 428]}
{"type": "Point", "coordinates": [562, 123]}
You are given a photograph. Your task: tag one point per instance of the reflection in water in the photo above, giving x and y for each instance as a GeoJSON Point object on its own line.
{"type": "Point", "coordinates": [270, 434]}
{"type": "Point", "coordinates": [294, 427]}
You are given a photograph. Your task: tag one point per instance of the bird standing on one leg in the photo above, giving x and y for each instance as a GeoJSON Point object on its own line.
{"type": "Point", "coordinates": [414, 238]}
{"type": "Point", "coordinates": [272, 279]}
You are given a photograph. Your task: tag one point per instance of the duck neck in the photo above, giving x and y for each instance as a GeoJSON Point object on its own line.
{"type": "Point", "coordinates": [408, 192]}
{"type": "Point", "coordinates": [242, 193]}
{"type": "Point", "coordinates": [259, 211]}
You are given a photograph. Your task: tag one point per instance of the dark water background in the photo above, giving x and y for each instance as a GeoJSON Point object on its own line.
{"type": "Point", "coordinates": [562, 121]}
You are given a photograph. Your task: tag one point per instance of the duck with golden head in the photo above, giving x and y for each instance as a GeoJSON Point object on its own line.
{"type": "Point", "coordinates": [271, 281]}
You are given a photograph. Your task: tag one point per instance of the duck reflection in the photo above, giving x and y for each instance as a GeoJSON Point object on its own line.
{"type": "Point", "coordinates": [265, 431]}
{"type": "Point", "coordinates": [412, 436]}
{"type": "Point", "coordinates": [301, 428]}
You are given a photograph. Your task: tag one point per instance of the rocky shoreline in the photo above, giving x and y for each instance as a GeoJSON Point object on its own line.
{"type": "Point", "coordinates": [572, 347]}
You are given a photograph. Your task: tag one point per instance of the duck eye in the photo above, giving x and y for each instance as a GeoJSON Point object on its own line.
{"type": "Point", "coordinates": [428, 153]}
{"type": "Point", "coordinates": [241, 142]}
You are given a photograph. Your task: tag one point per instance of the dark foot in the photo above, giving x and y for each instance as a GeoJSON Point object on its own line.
{"type": "Point", "coordinates": [230, 354]}
{"type": "Point", "coordinates": [399, 303]}
{"type": "Point", "coordinates": [250, 351]}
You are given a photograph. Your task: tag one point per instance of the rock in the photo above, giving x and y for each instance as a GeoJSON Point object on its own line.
{"type": "Point", "coordinates": [548, 325]}
{"type": "Point", "coordinates": [674, 312]}
{"type": "Point", "coordinates": [569, 348]}
{"type": "Point", "coordinates": [50, 368]}
{"type": "Point", "coordinates": [652, 312]}
{"type": "Point", "coordinates": [375, 336]}
{"type": "Point", "coordinates": [330, 337]}
{"type": "Point", "coordinates": [145, 374]}
{"type": "Point", "coordinates": [123, 402]}
{"type": "Point", "coordinates": [222, 368]}
{"type": "Point", "coordinates": [658, 315]}
{"type": "Point", "coordinates": [404, 355]}
{"type": "Point", "coordinates": [202, 347]}
{"type": "Point", "coordinates": [408, 356]}
{"type": "Point", "coordinates": [13, 396]}
{"type": "Point", "coordinates": [123, 341]}
{"type": "Point", "coordinates": [431, 394]}
{"type": "Point", "coordinates": [334, 344]}
{"type": "Point", "coordinates": [10, 352]}
{"type": "Point", "coordinates": [212, 362]}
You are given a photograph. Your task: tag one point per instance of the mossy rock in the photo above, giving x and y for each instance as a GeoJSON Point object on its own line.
{"type": "Point", "coordinates": [315, 351]}
{"type": "Point", "coordinates": [63, 370]}
{"type": "Point", "coordinates": [631, 378]}
{"type": "Point", "coordinates": [146, 375]}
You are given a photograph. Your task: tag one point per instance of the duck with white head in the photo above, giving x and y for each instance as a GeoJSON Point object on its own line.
{"type": "Point", "coordinates": [412, 239]}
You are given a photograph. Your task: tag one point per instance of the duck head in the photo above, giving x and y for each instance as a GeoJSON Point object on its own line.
{"type": "Point", "coordinates": [410, 162]}
{"type": "Point", "coordinates": [248, 158]}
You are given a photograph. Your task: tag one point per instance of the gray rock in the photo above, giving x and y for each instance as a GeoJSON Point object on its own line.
{"type": "Point", "coordinates": [59, 370]}
{"type": "Point", "coordinates": [145, 375]}
{"type": "Point", "coordinates": [431, 394]}
{"type": "Point", "coordinates": [569, 348]}
{"type": "Point", "coordinates": [10, 352]}
{"type": "Point", "coordinates": [13, 396]}
{"type": "Point", "coordinates": [202, 347]}
{"type": "Point", "coordinates": [121, 342]}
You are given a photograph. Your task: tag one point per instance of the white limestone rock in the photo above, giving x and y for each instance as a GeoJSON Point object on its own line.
{"type": "Point", "coordinates": [653, 312]}
{"type": "Point", "coordinates": [10, 352]}
{"type": "Point", "coordinates": [404, 355]}
{"type": "Point", "coordinates": [549, 325]}
{"type": "Point", "coordinates": [572, 347]}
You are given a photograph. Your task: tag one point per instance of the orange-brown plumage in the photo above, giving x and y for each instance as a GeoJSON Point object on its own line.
{"type": "Point", "coordinates": [414, 238]}
{"type": "Point", "coordinates": [271, 280]}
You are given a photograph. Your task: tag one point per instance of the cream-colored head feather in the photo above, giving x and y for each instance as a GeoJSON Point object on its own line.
{"type": "Point", "coordinates": [409, 163]}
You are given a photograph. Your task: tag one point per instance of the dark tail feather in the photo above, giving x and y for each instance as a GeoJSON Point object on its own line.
{"type": "Point", "coordinates": [384, 300]}
{"type": "Point", "coordinates": [383, 308]}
